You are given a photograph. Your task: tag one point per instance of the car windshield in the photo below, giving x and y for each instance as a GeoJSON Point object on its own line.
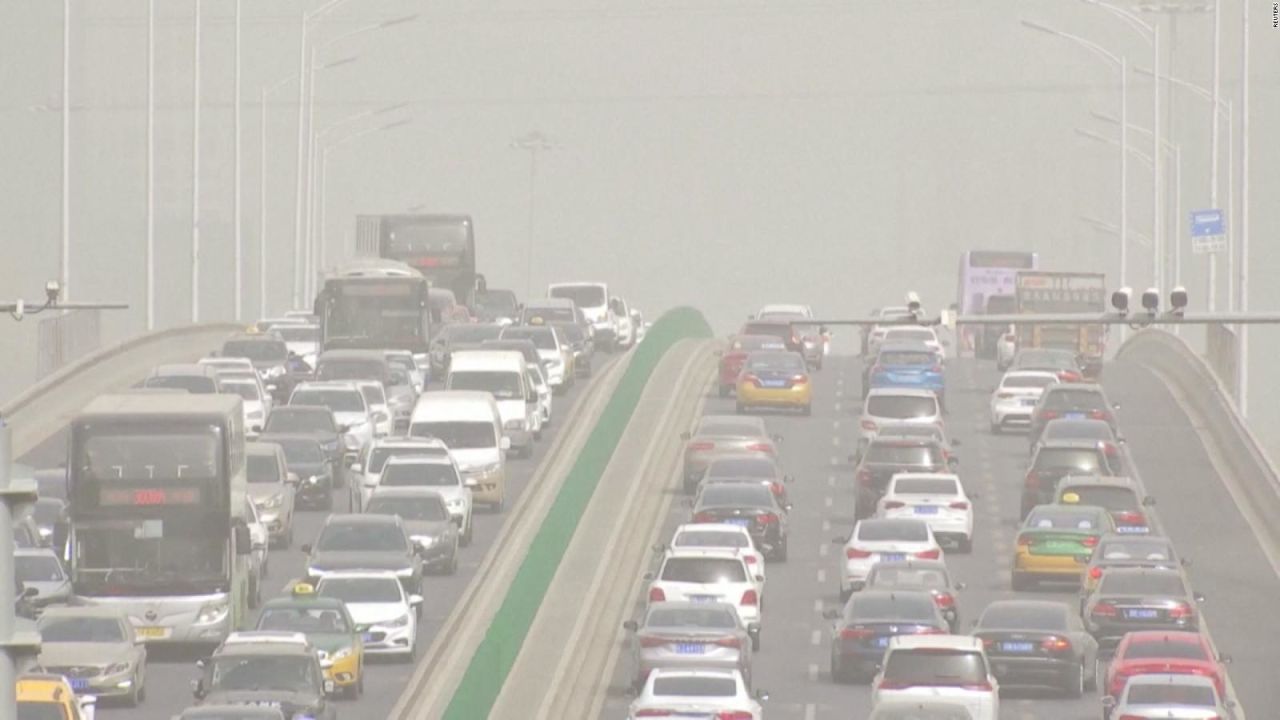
{"type": "Point", "coordinates": [906, 357]}
{"type": "Point", "coordinates": [336, 400]}
{"type": "Point", "coordinates": [761, 467]}
{"type": "Point", "coordinates": [695, 686]}
{"type": "Point", "coordinates": [300, 451]}
{"type": "Point", "coordinates": [373, 394]}
{"type": "Point", "coordinates": [1077, 430]}
{"type": "Point", "coordinates": [1170, 694]}
{"type": "Point", "coordinates": [299, 420]}
{"type": "Point", "coordinates": [906, 577]}
{"type": "Point", "coordinates": [736, 495]}
{"type": "Point", "coordinates": [457, 435]}
{"type": "Point", "coordinates": [1141, 583]}
{"type": "Point", "coordinates": [895, 454]}
{"type": "Point", "coordinates": [263, 350]}
{"type": "Point", "coordinates": [38, 568]}
{"type": "Point", "coordinates": [934, 667]}
{"type": "Point", "coordinates": [901, 407]}
{"type": "Point", "coordinates": [711, 538]}
{"type": "Point", "coordinates": [584, 296]}
{"type": "Point", "coordinates": [1083, 459]}
{"type": "Point", "coordinates": [196, 384]}
{"type": "Point", "coordinates": [246, 390]}
{"type": "Point", "coordinates": [298, 333]}
{"type": "Point", "coordinates": [1147, 650]}
{"type": "Point", "coordinates": [379, 455]}
{"type": "Point", "coordinates": [908, 333]}
{"type": "Point", "coordinates": [924, 486]}
{"type": "Point", "coordinates": [263, 469]}
{"type": "Point", "coordinates": [775, 362]}
{"type": "Point", "coordinates": [370, 369]}
{"type": "Point", "coordinates": [469, 333]}
{"type": "Point", "coordinates": [362, 537]}
{"type": "Point", "coordinates": [81, 629]}
{"type": "Point", "coordinates": [704, 570]}
{"type": "Point", "coordinates": [427, 508]}
{"type": "Point", "coordinates": [1028, 381]}
{"type": "Point", "coordinates": [361, 590]}
{"type": "Point", "coordinates": [541, 315]}
{"type": "Point", "coordinates": [1060, 517]}
{"type": "Point", "coordinates": [1023, 616]}
{"type": "Point", "coordinates": [419, 474]}
{"type": "Point", "coordinates": [1062, 399]}
{"type": "Point", "coordinates": [265, 672]}
{"type": "Point", "coordinates": [1134, 550]}
{"type": "Point", "coordinates": [690, 617]}
{"type": "Point", "coordinates": [1112, 498]}
{"type": "Point", "coordinates": [571, 331]}
{"type": "Point", "coordinates": [891, 530]}
{"type": "Point", "coordinates": [502, 385]}
{"type": "Point", "coordinates": [47, 511]}
{"type": "Point", "coordinates": [903, 606]}
{"type": "Point", "coordinates": [496, 304]}
{"type": "Point", "coordinates": [543, 337]}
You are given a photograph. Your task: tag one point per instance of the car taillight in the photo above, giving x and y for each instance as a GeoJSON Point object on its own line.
{"type": "Point", "coordinates": [799, 379]}
{"type": "Point", "coordinates": [932, 631]}
{"type": "Point", "coordinates": [656, 595]}
{"type": "Point", "coordinates": [1181, 611]}
{"type": "Point", "coordinates": [1127, 716]}
{"type": "Point", "coordinates": [937, 367]}
{"type": "Point", "coordinates": [876, 369]}
{"type": "Point", "coordinates": [893, 685]}
{"type": "Point", "coordinates": [750, 377]}
{"type": "Point", "coordinates": [983, 686]}
{"type": "Point", "coordinates": [767, 518]}
{"type": "Point", "coordinates": [868, 424]}
{"type": "Point", "coordinates": [864, 477]}
{"type": "Point", "coordinates": [1095, 572]}
{"type": "Point", "coordinates": [1090, 541]}
{"type": "Point", "coordinates": [944, 600]}
{"type": "Point", "coordinates": [1005, 395]}
{"type": "Point", "coordinates": [856, 554]}
{"type": "Point", "coordinates": [704, 517]}
{"type": "Point", "coordinates": [750, 597]}
{"type": "Point", "coordinates": [1099, 415]}
{"type": "Point", "coordinates": [775, 488]}
{"type": "Point", "coordinates": [1110, 450]}
{"type": "Point", "coordinates": [1032, 481]}
{"type": "Point", "coordinates": [959, 505]}
{"type": "Point", "coordinates": [1022, 541]}
{"type": "Point", "coordinates": [652, 642]}
{"type": "Point", "coordinates": [760, 447]}
{"type": "Point", "coordinates": [855, 633]}
{"type": "Point", "coordinates": [1055, 644]}
{"type": "Point", "coordinates": [654, 712]}
{"type": "Point", "coordinates": [734, 715]}
{"type": "Point", "coordinates": [1068, 376]}
{"type": "Point", "coordinates": [933, 554]}
{"type": "Point", "coordinates": [730, 641]}
{"type": "Point", "coordinates": [1129, 517]}
{"type": "Point", "coordinates": [750, 559]}
{"type": "Point", "coordinates": [893, 505]}
{"type": "Point", "coordinates": [701, 446]}
{"type": "Point", "coordinates": [1104, 609]}
{"type": "Point", "coordinates": [1049, 414]}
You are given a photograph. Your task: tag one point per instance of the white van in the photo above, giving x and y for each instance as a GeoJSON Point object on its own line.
{"type": "Point", "coordinates": [469, 423]}
{"type": "Point", "coordinates": [501, 373]}
{"type": "Point", "coordinates": [593, 299]}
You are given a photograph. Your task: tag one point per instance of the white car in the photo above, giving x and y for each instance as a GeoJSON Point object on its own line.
{"type": "Point", "coordinates": [380, 607]}
{"type": "Point", "coordinates": [344, 399]}
{"type": "Point", "coordinates": [919, 668]}
{"type": "Point", "coordinates": [259, 539]}
{"type": "Point", "coordinates": [926, 335]}
{"type": "Point", "coordinates": [883, 539]}
{"type": "Point", "coordinates": [254, 402]}
{"type": "Point", "coordinates": [373, 455]}
{"type": "Point", "coordinates": [674, 693]}
{"type": "Point", "coordinates": [1169, 697]}
{"type": "Point", "coordinates": [1013, 401]}
{"type": "Point", "coordinates": [626, 329]}
{"type": "Point", "coordinates": [700, 575]}
{"type": "Point", "coordinates": [375, 397]}
{"type": "Point", "coordinates": [436, 473]}
{"type": "Point", "coordinates": [1006, 349]}
{"type": "Point", "coordinates": [723, 536]}
{"type": "Point", "coordinates": [783, 310]}
{"type": "Point", "coordinates": [896, 406]}
{"type": "Point", "coordinates": [938, 499]}
{"type": "Point", "coordinates": [302, 339]}
{"type": "Point", "coordinates": [556, 356]}
{"type": "Point", "coordinates": [539, 382]}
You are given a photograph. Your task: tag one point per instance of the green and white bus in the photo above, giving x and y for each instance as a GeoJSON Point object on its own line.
{"type": "Point", "coordinates": [157, 487]}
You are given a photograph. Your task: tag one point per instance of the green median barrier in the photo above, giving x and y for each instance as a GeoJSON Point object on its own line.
{"type": "Point", "coordinates": [497, 652]}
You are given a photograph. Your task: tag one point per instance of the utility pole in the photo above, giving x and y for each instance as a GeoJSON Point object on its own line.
{"type": "Point", "coordinates": [64, 276]}
{"type": "Point", "coordinates": [235, 212]}
{"type": "Point", "coordinates": [195, 174]}
{"type": "Point", "coordinates": [1243, 285]}
{"type": "Point", "coordinates": [151, 165]}
{"type": "Point", "coordinates": [533, 142]}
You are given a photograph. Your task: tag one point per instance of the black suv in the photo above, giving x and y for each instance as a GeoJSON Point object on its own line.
{"type": "Point", "coordinates": [1057, 459]}
{"type": "Point", "coordinates": [274, 673]}
{"type": "Point", "coordinates": [886, 456]}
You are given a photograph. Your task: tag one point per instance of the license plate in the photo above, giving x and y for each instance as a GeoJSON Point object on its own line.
{"type": "Point", "coordinates": [690, 648]}
{"type": "Point", "coordinates": [1141, 614]}
{"type": "Point", "coordinates": [892, 557]}
{"type": "Point", "coordinates": [78, 684]}
{"type": "Point", "coordinates": [366, 637]}
{"type": "Point", "coordinates": [1017, 647]}
{"type": "Point", "coordinates": [773, 383]}
{"type": "Point", "coordinates": [1074, 416]}
{"type": "Point", "coordinates": [1133, 529]}
{"type": "Point", "coordinates": [152, 633]}
{"type": "Point", "coordinates": [882, 642]}
{"type": "Point", "coordinates": [703, 598]}
{"type": "Point", "coordinates": [739, 521]}
{"type": "Point", "coordinates": [1028, 402]}
{"type": "Point", "coordinates": [926, 509]}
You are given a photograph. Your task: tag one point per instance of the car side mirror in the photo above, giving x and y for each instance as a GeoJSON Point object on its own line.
{"type": "Point", "coordinates": [761, 695]}
{"type": "Point", "coordinates": [787, 507]}
{"type": "Point", "coordinates": [831, 614]}
{"type": "Point", "coordinates": [759, 578]}
{"type": "Point", "coordinates": [649, 576]}
{"type": "Point", "coordinates": [1115, 406]}
{"type": "Point", "coordinates": [342, 429]}
{"type": "Point", "coordinates": [953, 462]}
{"type": "Point", "coordinates": [955, 442]}
{"type": "Point", "coordinates": [776, 438]}
{"type": "Point", "coordinates": [1198, 597]}
{"type": "Point", "coordinates": [415, 600]}
{"type": "Point", "coordinates": [788, 479]}
{"type": "Point", "coordinates": [292, 478]}
{"type": "Point", "coordinates": [1148, 501]}
{"type": "Point", "coordinates": [959, 586]}
{"type": "Point", "coordinates": [1108, 701]}
{"type": "Point", "coordinates": [28, 592]}
{"type": "Point", "coordinates": [659, 548]}
{"type": "Point", "coordinates": [1184, 562]}
{"type": "Point", "coordinates": [631, 625]}
{"type": "Point", "coordinates": [837, 540]}
{"type": "Point", "coordinates": [1225, 659]}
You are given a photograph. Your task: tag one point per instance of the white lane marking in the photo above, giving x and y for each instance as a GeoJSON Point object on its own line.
{"type": "Point", "coordinates": [835, 424]}
{"type": "Point", "coordinates": [837, 406]}
{"type": "Point", "coordinates": [835, 441]}
{"type": "Point", "coordinates": [823, 549]}
{"type": "Point", "coordinates": [826, 526]}
{"type": "Point", "coordinates": [813, 673]}
{"type": "Point", "coordinates": [810, 711]}
{"type": "Point", "coordinates": [831, 480]}
{"type": "Point", "coordinates": [817, 606]}
{"type": "Point", "coordinates": [815, 638]}
{"type": "Point", "coordinates": [822, 576]}
{"type": "Point", "coordinates": [827, 501]}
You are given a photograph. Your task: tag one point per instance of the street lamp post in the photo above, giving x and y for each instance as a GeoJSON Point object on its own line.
{"type": "Point", "coordinates": [322, 182]}
{"type": "Point", "coordinates": [533, 142]}
{"type": "Point", "coordinates": [65, 260]}
{"type": "Point", "coordinates": [195, 173]}
{"type": "Point", "coordinates": [235, 203]}
{"type": "Point", "coordinates": [151, 165]}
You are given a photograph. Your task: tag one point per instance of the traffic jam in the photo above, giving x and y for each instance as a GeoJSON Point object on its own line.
{"type": "Point", "coordinates": [943, 590]}
{"type": "Point", "coordinates": [370, 433]}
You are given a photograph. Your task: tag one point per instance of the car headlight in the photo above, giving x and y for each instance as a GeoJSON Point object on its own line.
{"type": "Point", "coordinates": [513, 425]}
{"type": "Point", "coordinates": [405, 572]}
{"type": "Point", "coordinates": [116, 668]}
{"type": "Point", "coordinates": [255, 414]}
{"type": "Point", "coordinates": [213, 612]}
{"type": "Point", "coordinates": [313, 480]}
{"type": "Point", "coordinates": [456, 503]}
{"type": "Point", "coordinates": [45, 531]}
{"type": "Point", "coordinates": [274, 371]}
{"type": "Point", "coordinates": [342, 654]}
{"type": "Point", "coordinates": [401, 621]}
{"type": "Point", "coordinates": [425, 542]}
{"type": "Point", "coordinates": [272, 502]}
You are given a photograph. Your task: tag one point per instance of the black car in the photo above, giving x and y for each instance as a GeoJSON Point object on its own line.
{"type": "Point", "coordinates": [272, 674]}
{"type": "Point", "coordinates": [493, 305]}
{"type": "Point", "coordinates": [1071, 401]}
{"type": "Point", "coordinates": [314, 420]}
{"type": "Point", "coordinates": [1083, 429]}
{"type": "Point", "coordinates": [231, 712]}
{"type": "Point", "coordinates": [928, 575]}
{"type": "Point", "coordinates": [1038, 643]}
{"type": "Point", "coordinates": [883, 458]}
{"type": "Point", "coordinates": [304, 457]}
{"type": "Point", "coordinates": [426, 518]}
{"type": "Point", "coordinates": [751, 505]}
{"type": "Point", "coordinates": [1133, 599]}
{"type": "Point", "coordinates": [365, 542]}
{"type": "Point", "coordinates": [1055, 460]}
{"type": "Point", "coordinates": [870, 619]}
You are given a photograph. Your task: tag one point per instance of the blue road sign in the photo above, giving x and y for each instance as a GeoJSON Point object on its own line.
{"type": "Point", "coordinates": [1208, 222]}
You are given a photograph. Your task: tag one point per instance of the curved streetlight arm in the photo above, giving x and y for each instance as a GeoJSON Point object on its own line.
{"type": "Point", "coordinates": [1144, 157]}
{"type": "Point", "coordinates": [1087, 44]}
{"type": "Point", "coordinates": [1132, 19]}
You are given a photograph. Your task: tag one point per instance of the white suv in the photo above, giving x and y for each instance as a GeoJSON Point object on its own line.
{"type": "Point", "coordinates": [896, 406]}
{"type": "Point", "coordinates": [917, 668]}
{"type": "Point", "coordinates": [706, 575]}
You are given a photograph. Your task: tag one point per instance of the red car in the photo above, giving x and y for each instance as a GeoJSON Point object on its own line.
{"type": "Point", "coordinates": [1158, 651]}
{"type": "Point", "coordinates": [740, 346]}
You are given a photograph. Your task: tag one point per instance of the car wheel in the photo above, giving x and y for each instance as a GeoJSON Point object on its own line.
{"type": "Point", "coordinates": [740, 408]}
{"type": "Point", "coordinates": [452, 567]}
{"type": "Point", "coordinates": [1091, 679]}
{"type": "Point", "coordinates": [465, 540]}
{"type": "Point", "coordinates": [780, 554]}
{"type": "Point", "coordinates": [135, 694]}
{"type": "Point", "coordinates": [964, 546]}
{"type": "Point", "coordinates": [807, 410]}
{"type": "Point", "coordinates": [287, 540]}
{"type": "Point", "coordinates": [1073, 683]}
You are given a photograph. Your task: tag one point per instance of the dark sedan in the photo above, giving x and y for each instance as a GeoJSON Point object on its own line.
{"type": "Point", "coordinates": [314, 420]}
{"type": "Point", "coordinates": [1132, 599]}
{"type": "Point", "coordinates": [305, 457]}
{"type": "Point", "coordinates": [760, 466]}
{"type": "Point", "coordinates": [365, 542]}
{"type": "Point", "coordinates": [1072, 401]}
{"type": "Point", "coordinates": [928, 575]}
{"type": "Point", "coordinates": [1038, 643]}
{"type": "Point", "coordinates": [870, 619]}
{"type": "Point", "coordinates": [1062, 458]}
{"type": "Point", "coordinates": [750, 505]}
{"type": "Point", "coordinates": [426, 518]}
{"type": "Point", "coordinates": [885, 457]}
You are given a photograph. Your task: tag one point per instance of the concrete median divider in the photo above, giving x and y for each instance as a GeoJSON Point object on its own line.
{"type": "Point", "coordinates": [467, 664]}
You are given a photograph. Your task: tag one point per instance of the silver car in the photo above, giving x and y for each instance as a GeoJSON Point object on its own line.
{"type": "Point", "coordinates": [272, 489]}
{"type": "Point", "coordinates": [896, 406]}
{"type": "Point", "coordinates": [368, 466]}
{"type": "Point", "coordinates": [96, 650]}
{"type": "Point", "coordinates": [719, 434]}
{"type": "Point", "coordinates": [689, 635]}
{"type": "Point", "coordinates": [1170, 697]}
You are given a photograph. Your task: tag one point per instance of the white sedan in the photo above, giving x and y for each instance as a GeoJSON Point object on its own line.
{"type": "Point", "coordinates": [702, 575]}
{"type": "Point", "coordinates": [723, 536]}
{"type": "Point", "coordinates": [1015, 398]}
{"type": "Point", "coordinates": [883, 540]}
{"type": "Point", "coordinates": [381, 609]}
{"type": "Point", "coordinates": [938, 499]}
{"type": "Point", "coordinates": [697, 694]}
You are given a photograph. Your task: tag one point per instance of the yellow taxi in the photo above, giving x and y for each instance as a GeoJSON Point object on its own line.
{"type": "Point", "coordinates": [328, 626]}
{"type": "Point", "coordinates": [1055, 543]}
{"type": "Point", "coordinates": [50, 696]}
{"type": "Point", "coordinates": [774, 379]}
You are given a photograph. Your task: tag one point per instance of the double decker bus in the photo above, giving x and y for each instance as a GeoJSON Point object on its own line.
{"type": "Point", "coordinates": [158, 529]}
{"type": "Point", "coordinates": [441, 247]}
{"type": "Point", "coordinates": [987, 282]}
{"type": "Point", "coordinates": [375, 304]}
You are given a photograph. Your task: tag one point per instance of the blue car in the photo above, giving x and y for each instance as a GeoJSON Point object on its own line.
{"type": "Point", "coordinates": [908, 365]}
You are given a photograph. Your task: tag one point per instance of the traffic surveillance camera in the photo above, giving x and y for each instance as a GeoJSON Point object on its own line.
{"type": "Point", "coordinates": [52, 290]}
{"type": "Point", "coordinates": [913, 302]}
{"type": "Point", "coordinates": [1151, 300]}
{"type": "Point", "coordinates": [1178, 299]}
{"type": "Point", "coordinates": [1120, 299]}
